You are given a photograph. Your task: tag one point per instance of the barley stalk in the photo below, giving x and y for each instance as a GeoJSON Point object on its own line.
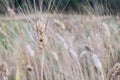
{"type": "Point", "coordinates": [42, 40]}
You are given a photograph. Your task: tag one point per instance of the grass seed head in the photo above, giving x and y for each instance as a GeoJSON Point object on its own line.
{"type": "Point", "coordinates": [41, 32]}
{"type": "Point", "coordinates": [114, 72]}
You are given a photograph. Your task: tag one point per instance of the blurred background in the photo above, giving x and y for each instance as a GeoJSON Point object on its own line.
{"type": "Point", "coordinates": [101, 7]}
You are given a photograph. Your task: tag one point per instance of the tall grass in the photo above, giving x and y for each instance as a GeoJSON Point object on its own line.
{"type": "Point", "coordinates": [85, 49]}
{"type": "Point", "coordinates": [59, 47]}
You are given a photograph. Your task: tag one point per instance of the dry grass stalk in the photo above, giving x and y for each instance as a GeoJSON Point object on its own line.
{"type": "Point", "coordinates": [11, 12]}
{"type": "Point", "coordinates": [30, 51]}
{"type": "Point", "coordinates": [22, 59]}
{"type": "Point", "coordinates": [29, 71]}
{"type": "Point", "coordinates": [59, 24]}
{"type": "Point", "coordinates": [98, 65]}
{"type": "Point", "coordinates": [4, 71]}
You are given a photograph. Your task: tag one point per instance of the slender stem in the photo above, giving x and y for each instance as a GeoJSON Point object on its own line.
{"type": "Point", "coordinates": [36, 69]}
{"type": "Point", "coordinates": [42, 66]}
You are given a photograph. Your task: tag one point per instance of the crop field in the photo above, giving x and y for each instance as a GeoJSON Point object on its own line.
{"type": "Point", "coordinates": [59, 40]}
{"type": "Point", "coordinates": [59, 47]}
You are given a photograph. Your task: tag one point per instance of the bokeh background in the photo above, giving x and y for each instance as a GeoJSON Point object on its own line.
{"type": "Point", "coordinates": [75, 6]}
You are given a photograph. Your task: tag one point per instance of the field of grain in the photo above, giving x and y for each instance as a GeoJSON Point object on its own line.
{"type": "Point", "coordinates": [60, 47]}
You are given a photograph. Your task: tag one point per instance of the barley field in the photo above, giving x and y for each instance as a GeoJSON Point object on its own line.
{"type": "Point", "coordinates": [58, 46]}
